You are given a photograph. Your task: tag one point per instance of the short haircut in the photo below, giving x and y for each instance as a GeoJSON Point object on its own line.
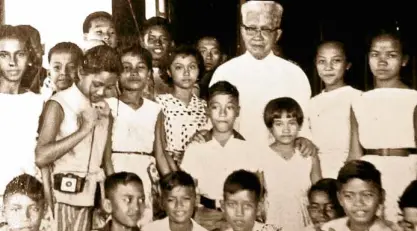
{"type": "Point", "coordinates": [223, 88]}
{"type": "Point", "coordinates": [137, 50]}
{"type": "Point", "coordinates": [328, 186]}
{"type": "Point", "coordinates": [119, 178]}
{"type": "Point", "coordinates": [16, 32]}
{"type": "Point", "coordinates": [32, 33]}
{"type": "Point", "coordinates": [185, 50]}
{"type": "Point", "coordinates": [67, 47]}
{"type": "Point", "coordinates": [157, 22]}
{"type": "Point", "coordinates": [263, 7]}
{"type": "Point", "coordinates": [392, 33]}
{"type": "Point", "coordinates": [176, 179]}
{"type": "Point", "coordinates": [409, 197]}
{"type": "Point", "coordinates": [359, 169]}
{"type": "Point", "coordinates": [276, 107]}
{"type": "Point", "coordinates": [219, 45]}
{"type": "Point", "coordinates": [243, 180]}
{"type": "Point", "coordinates": [27, 185]}
{"type": "Point", "coordinates": [93, 16]}
{"type": "Point", "coordinates": [101, 58]}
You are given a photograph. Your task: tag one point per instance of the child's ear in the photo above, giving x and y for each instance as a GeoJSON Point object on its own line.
{"type": "Point", "coordinates": [107, 207]}
{"type": "Point", "coordinates": [238, 111]}
{"type": "Point", "coordinates": [85, 36]}
{"type": "Point", "coordinates": [405, 60]}
{"type": "Point", "coordinates": [222, 206]}
{"type": "Point", "coordinates": [224, 59]}
{"type": "Point", "coordinates": [340, 199]}
{"type": "Point", "coordinates": [382, 200]}
{"type": "Point", "coordinates": [348, 66]}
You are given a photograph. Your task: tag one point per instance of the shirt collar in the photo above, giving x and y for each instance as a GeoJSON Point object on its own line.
{"type": "Point", "coordinates": [250, 57]}
{"type": "Point", "coordinates": [107, 227]}
{"type": "Point", "coordinates": [209, 135]}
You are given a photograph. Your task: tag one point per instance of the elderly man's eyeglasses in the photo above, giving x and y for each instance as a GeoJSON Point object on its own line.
{"type": "Point", "coordinates": [254, 31]}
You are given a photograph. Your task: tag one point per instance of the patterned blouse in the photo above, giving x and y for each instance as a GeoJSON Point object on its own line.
{"type": "Point", "coordinates": [181, 121]}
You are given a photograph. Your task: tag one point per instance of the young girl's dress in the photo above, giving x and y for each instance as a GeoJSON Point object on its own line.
{"type": "Point", "coordinates": [181, 122]}
{"type": "Point", "coordinates": [287, 182]}
{"type": "Point", "coordinates": [385, 121]}
{"type": "Point", "coordinates": [132, 141]}
{"type": "Point", "coordinates": [329, 117]}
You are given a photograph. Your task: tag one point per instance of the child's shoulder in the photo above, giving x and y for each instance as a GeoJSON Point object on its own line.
{"type": "Point", "coordinates": [337, 224]}
{"type": "Point", "coordinates": [162, 224]}
{"type": "Point", "coordinates": [265, 227]}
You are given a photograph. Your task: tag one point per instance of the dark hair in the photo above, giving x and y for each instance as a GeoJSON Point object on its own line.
{"type": "Point", "coordinates": [93, 16]}
{"type": "Point", "coordinates": [32, 33]}
{"type": "Point", "coordinates": [27, 185]}
{"type": "Point", "coordinates": [341, 45]}
{"type": "Point", "coordinates": [328, 186]}
{"type": "Point", "coordinates": [157, 22]}
{"type": "Point", "coordinates": [359, 169]}
{"type": "Point", "coordinates": [16, 32]}
{"type": "Point", "coordinates": [185, 50]}
{"type": "Point", "coordinates": [175, 179]}
{"type": "Point", "coordinates": [101, 58]}
{"type": "Point", "coordinates": [276, 107]}
{"type": "Point", "coordinates": [67, 47]}
{"type": "Point", "coordinates": [120, 178]}
{"type": "Point", "coordinates": [409, 197]}
{"type": "Point", "coordinates": [243, 180]}
{"type": "Point", "coordinates": [392, 33]}
{"type": "Point", "coordinates": [137, 50]}
{"type": "Point", "coordinates": [213, 38]}
{"type": "Point", "coordinates": [223, 88]}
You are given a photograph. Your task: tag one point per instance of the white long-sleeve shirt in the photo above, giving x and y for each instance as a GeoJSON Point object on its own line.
{"type": "Point", "coordinates": [258, 82]}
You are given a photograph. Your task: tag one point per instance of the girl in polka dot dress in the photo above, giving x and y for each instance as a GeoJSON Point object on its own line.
{"type": "Point", "coordinates": [184, 113]}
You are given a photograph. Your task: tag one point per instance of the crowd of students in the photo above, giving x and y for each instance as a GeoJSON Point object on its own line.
{"type": "Point", "coordinates": [145, 134]}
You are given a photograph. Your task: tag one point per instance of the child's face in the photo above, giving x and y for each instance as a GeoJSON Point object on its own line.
{"type": "Point", "coordinates": [285, 129]}
{"type": "Point", "coordinates": [223, 111]}
{"type": "Point", "coordinates": [96, 86]}
{"type": "Point", "coordinates": [184, 71]}
{"type": "Point", "coordinates": [386, 58]}
{"type": "Point", "coordinates": [210, 50]}
{"type": "Point", "coordinates": [14, 59]}
{"type": "Point", "coordinates": [331, 64]}
{"type": "Point", "coordinates": [135, 73]}
{"type": "Point", "coordinates": [240, 210]}
{"type": "Point", "coordinates": [179, 204]}
{"type": "Point", "coordinates": [157, 40]}
{"type": "Point", "coordinates": [360, 200]}
{"type": "Point", "coordinates": [127, 204]}
{"type": "Point", "coordinates": [102, 29]}
{"type": "Point", "coordinates": [321, 208]}
{"type": "Point", "coordinates": [22, 213]}
{"type": "Point", "coordinates": [63, 69]}
{"type": "Point", "coordinates": [409, 222]}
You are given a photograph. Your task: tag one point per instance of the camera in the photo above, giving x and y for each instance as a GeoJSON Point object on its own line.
{"type": "Point", "coordinates": [68, 183]}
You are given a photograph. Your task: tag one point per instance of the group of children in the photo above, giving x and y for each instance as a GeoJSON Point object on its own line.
{"type": "Point", "coordinates": [114, 127]}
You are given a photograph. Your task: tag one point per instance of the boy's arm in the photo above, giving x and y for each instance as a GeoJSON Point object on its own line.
{"type": "Point", "coordinates": [355, 150]}
{"type": "Point", "coordinates": [48, 149]}
{"type": "Point", "coordinates": [163, 164]}
{"type": "Point", "coordinates": [315, 174]}
{"type": "Point", "coordinates": [107, 161]}
{"type": "Point", "coordinates": [47, 186]}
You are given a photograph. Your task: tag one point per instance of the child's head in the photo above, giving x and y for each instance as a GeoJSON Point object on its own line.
{"type": "Point", "coordinates": [125, 199]}
{"type": "Point", "coordinates": [24, 203]}
{"type": "Point", "coordinates": [184, 67]}
{"type": "Point", "coordinates": [408, 206]}
{"type": "Point", "coordinates": [323, 203]}
{"type": "Point", "coordinates": [331, 63]}
{"type": "Point", "coordinates": [211, 51]}
{"type": "Point", "coordinates": [241, 193]}
{"type": "Point", "coordinates": [387, 55]}
{"type": "Point", "coordinates": [137, 68]}
{"type": "Point", "coordinates": [15, 53]}
{"type": "Point", "coordinates": [223, 106]}
{"type": "Point", "coordinates": [100, 26]}
{"type": "Point", "coordinates": [178, 196]}
{"type": "Point", "coordinates": [157, 38]}
{"type": "Point", "coordinates": [99, 72]}
{"type": "Point", "coordinates": [64, 59]}
{"type": "Point", "coordinates": [283, 117]}
{"type": "Point", "coordinates": [360, 191]}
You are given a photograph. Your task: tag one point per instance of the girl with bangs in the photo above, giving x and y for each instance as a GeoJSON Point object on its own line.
{"type": "Point", "coordinates": [287, 174]}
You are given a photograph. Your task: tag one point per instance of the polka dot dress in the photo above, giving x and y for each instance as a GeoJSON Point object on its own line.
{"type": "Point", "coordinates": [181, 121]}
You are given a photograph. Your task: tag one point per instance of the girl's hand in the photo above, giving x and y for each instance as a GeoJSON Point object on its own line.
{"type": "Point", "coordinates": [198, 137]}
{"type": "Point", "coordinates": [306, 147]}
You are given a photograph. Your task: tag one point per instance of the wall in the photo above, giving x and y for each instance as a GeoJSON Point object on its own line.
{"type": "Point", "coordinates": [57, 20]}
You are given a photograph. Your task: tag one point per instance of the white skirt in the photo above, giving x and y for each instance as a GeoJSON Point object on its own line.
{"type": "Point", "coordinates": [397, 172]}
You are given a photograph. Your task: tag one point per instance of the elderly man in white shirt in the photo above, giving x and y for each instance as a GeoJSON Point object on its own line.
{"type": "Point", "coordinates": [260, 76]}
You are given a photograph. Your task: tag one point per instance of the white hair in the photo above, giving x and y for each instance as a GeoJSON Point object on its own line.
{"type": "Point", "coordinates": [272, 8]}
